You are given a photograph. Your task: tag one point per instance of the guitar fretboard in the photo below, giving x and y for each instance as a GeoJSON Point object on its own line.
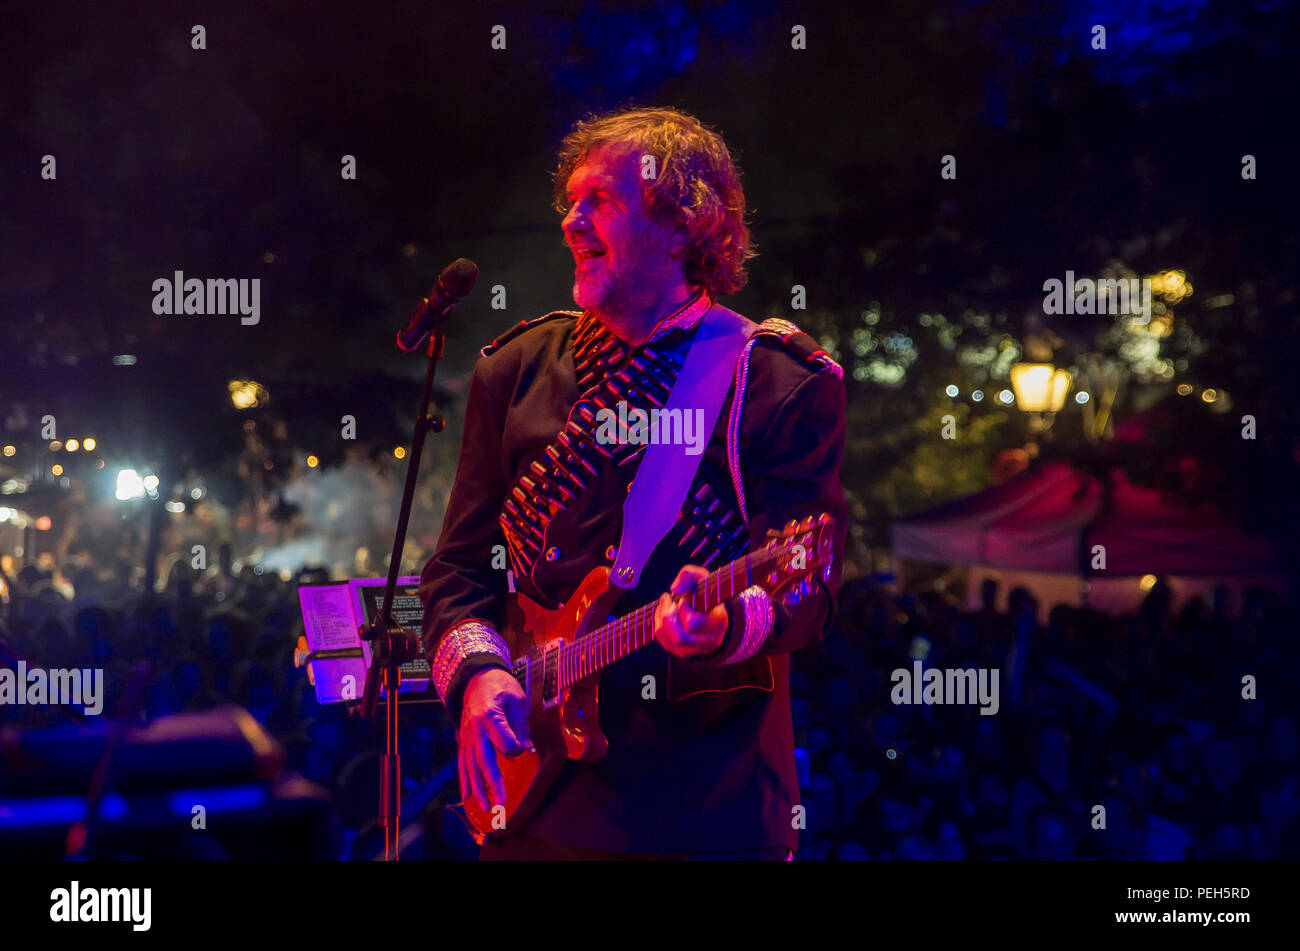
{"type": "Point", "coordinates": [597, 649]}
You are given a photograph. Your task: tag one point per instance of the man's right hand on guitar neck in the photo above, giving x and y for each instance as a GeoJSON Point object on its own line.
{"type": "Point", "coordinates": [493, 719]}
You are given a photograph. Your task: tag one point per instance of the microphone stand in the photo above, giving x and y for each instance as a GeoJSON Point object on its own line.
{"type": "Point", "coordinates": [393, 645]}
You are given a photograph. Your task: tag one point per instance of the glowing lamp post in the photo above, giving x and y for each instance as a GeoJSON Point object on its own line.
{"type": "Point", "coordinates": [1040, 390]}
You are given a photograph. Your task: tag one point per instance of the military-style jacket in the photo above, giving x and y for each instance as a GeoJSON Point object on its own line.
{"type": "Point", "coordinates": [707, 762]}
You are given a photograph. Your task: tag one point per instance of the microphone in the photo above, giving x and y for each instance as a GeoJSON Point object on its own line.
{"type": "Point", "coordinates": [454, 283]}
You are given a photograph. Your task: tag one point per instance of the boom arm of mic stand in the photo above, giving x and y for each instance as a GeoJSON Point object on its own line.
{"type": "Point", "coordinates": [392, 645]}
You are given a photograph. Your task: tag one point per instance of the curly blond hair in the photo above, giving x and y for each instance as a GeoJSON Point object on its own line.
{"type": "Point", "coordinates": [698, 184]}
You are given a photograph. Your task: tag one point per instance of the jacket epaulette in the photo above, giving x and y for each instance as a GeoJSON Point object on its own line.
{"type": "Point", "coordinates": [523, 325]}
{"type": "Point", "coordinates": [801, 345]}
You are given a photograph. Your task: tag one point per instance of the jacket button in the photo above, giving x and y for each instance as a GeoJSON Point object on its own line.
{"type": "Point", "coordinates": [552, 553]}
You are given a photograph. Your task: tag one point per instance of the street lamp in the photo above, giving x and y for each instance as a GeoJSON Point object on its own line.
{"type": "Point", "coordinates": [1040, 390]}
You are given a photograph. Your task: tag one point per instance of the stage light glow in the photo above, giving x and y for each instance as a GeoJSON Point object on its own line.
{"type": "Point", "coordinates": [1148, 582]}
{"type": "Point", "coordinates": [1209, 395]}
{"type": "Point", "coordinates": [247, 394]}
{"type": "Point", "coordinates": [44, 524]}
{"type": "Point", "coordinates": [400, 452]}
{"type": "Point", "coordinates": [56, 469]}
{"type": "Point", "coordinates": [1082, 397]}
{"type": "Point", "coordinates": [56, 445]}
{"type": "Point", "coordinates": [312, 462]}
{"type": "Point", "coordinates": [952, 390]}
{"type": "Point", "coordinates": [129, 485]}
{"type": "Point", "coordinates": [72, 445]}
{"type": "Point", "coordinates": [175, 507]}
{"type": "Point", "coordinates": [89, 444]}
{"type": "Point", "coordinates": [10, 450]}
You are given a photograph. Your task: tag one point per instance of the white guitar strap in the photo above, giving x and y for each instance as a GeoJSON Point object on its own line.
{"type": "Point", "coordinates": [666, 470]}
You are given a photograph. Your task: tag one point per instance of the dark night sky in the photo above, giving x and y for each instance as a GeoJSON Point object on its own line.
{"type": "Point", "coordinates": [204, 161]}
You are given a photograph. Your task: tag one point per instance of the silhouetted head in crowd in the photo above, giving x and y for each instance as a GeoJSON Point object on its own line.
{"type": "Point", "coordinates": [1155, 606]}
{"type": "Point", "coordinates": [1018, 601]}
{"type": "Point", "coordinates": [989, 594]}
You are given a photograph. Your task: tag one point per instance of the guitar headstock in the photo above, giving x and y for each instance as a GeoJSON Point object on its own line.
{"type": "Point", "coordinates": [801, 550]}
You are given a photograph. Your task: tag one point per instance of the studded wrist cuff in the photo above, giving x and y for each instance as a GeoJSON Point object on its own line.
{"type": "Point", "coordinates": [467, 637]}
{"type": "Point", "coordinates": [759, 619]}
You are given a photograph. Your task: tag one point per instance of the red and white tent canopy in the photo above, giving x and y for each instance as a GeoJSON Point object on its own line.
{"type": "Point", "coordinates": [1049, 519]}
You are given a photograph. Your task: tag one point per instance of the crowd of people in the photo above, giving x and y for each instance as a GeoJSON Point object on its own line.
{"type": "Point", "coordinates": [1151, 736]}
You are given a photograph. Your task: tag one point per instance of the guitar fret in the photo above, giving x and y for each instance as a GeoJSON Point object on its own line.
{"type": "Point", "coordinates": [583, 658]}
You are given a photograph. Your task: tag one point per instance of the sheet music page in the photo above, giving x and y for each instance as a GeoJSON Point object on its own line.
{"type": "Point", "coordinates": [328, 618]}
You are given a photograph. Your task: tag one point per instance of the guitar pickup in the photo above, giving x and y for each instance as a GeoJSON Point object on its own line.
{"type": "Point", "coordinates": [550, 661]}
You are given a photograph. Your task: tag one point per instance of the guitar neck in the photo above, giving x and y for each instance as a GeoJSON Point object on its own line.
{"type": "Point", "coordinates": [597, 649]}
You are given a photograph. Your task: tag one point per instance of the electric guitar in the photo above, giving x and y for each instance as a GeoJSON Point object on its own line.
{"type": "Point", "coordinates": [568, 648]}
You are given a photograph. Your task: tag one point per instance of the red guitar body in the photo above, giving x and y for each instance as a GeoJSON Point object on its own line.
{"type": "Point", "coordinates": [569, 729]}
{"type": "Point", "coordinates": [560, 654]}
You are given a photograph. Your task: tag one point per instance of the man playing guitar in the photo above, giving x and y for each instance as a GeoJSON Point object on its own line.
{"type": "Point", "coordinates": [700, 758]}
